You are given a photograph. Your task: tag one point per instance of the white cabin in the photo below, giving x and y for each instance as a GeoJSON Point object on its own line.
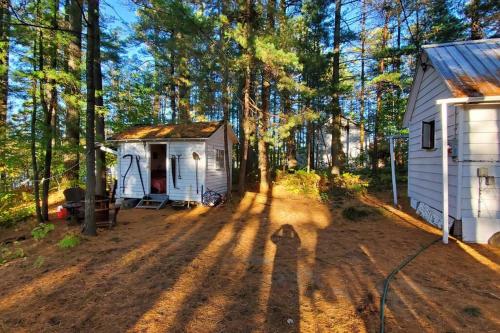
{"type": "Point", "coordinates": [181, 161]}
{"type": "Point", "coordinates": [459, 83]}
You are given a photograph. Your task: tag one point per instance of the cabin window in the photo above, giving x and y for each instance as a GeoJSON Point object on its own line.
{"type": "Point", "coordinates": [219, 159]}
{"type": "Point", "coordinates": [428, 128]}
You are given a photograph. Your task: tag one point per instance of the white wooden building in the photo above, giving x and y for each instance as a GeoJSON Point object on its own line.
{"type": "Point", "coordinates": [453, 116]}
{"type": "Point", "coordinates": [180, 161]}
{"type": "Point", "coordinates": [349, 136]}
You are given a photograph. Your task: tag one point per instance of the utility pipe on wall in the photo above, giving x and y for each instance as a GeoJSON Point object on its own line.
{"type": "Point", "coordinates": [444, 163]}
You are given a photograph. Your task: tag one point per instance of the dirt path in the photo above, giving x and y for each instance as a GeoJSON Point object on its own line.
{"type": "Point", "coordinates": [274, 264]}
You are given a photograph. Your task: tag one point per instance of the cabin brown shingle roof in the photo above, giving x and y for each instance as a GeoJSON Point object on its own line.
{"type": "Point", "coordinates": [199, 130]}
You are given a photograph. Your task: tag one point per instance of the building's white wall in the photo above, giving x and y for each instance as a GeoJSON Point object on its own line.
{"type": "Point", "coordinates": [350, 143]}
{"type": "Point", "coordinates": [133, 188]}
{"type": "Point", "coordinates": [424, 166]}
{"type": "Point", "coordinates": [186, 185]}
{"type": "Point", "coordinates": [216, 179]}
{"type": "Point", "coordinates": [481, 204]}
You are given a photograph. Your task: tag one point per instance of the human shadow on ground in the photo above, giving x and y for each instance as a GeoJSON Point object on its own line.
{"type": "Point", "coordinates": [283, 308]}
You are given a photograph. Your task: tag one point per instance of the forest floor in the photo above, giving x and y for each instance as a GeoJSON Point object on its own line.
{"type": "Point", "coordinates": [272, 263]}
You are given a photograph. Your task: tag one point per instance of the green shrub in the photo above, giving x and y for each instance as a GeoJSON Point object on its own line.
{"type": "Point", "coordinates": [14, 207]}
{"type": "Point", "coordinates": [69, 241]}
{"type": "Point", "coordinates": [300, 182]}
{"type": "Point", "coordinates": [352, 182]}
{"type": "Point", "coordinates": [42, 230]}
{"type": "Point", "coordinates": [7, 255]}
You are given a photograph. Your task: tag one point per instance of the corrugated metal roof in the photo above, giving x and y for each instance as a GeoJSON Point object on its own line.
{"type": "Point", "coordinates": [197, 130]}
{"type": "Point", "coordinates": [470, 68]}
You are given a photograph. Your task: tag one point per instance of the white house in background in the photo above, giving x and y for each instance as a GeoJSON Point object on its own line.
{"type": "Point", "coordinates": [349, 137]}
{"type": "Point", "coordinates": [456, 91]}
{"type": "Point", "coordinates": [180, 161]}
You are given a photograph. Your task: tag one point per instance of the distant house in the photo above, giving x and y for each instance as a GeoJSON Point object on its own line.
{"type": "Point", "coordinates": [349, 136]}
{"type": "Point", "coordinates": [180, 161]}
{"type": "Point", "coordinates": [456, 96]}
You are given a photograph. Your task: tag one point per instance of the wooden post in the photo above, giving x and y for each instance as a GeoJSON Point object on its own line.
{"type": "Point", "coordinates": [393, 172]}
{"type": "Point", "coordinates": [444, 162]}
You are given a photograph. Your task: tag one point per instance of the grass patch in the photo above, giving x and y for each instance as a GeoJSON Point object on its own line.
{"type": "Point", "coordinates": [354, 213]}
{"type": "Point", "coordinates": [7, 255]}
{"type": "Point", "coordinates": [40, 260]}
{"type": "Point", "coordinates": [42, 230]}
{"type": "Point", "coordinates": [472, 311]}
{"type": "Point", "coordinates": [69, 241]}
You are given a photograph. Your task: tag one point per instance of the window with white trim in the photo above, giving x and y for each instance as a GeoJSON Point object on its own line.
{"type": "Point", "coordinates": [428, 130]}
{"type": "Point", "coordinates": [219, 159]}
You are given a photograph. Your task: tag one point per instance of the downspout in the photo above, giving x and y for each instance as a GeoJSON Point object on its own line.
{"type": "Point", "coordinates": [444, 165]}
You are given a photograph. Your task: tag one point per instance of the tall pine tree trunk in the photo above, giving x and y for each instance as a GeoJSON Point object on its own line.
{"type": "Point", "coordinates": [336, 148]}
{"type": "Point", "coordinates": [48, 90]}
{"type": "Point", "coordinates": [173, 90]}
{"type": "Point", "coordinates": [100, 188]}
{"type": "Point", "coordinates": [72, 157]}
{"type": "Point", "coordinates": [263, 121]}
{"type": "Point", "coordinates": [4, 81]}
{"type": "Point", "coordinates": [476, 30]}
{"type": "Point", "coordinates": [89, 227]}
{"type": "Point", "coordinates": [34, 162]}
{"type": "Point", "coordinates": [225, 102]}
{"type": "Point", "coordinates": [245, 114]}
{"type": "Point", "coordinates": [380, 91]}
{"type": "Point", "coordinates": [363, 85]}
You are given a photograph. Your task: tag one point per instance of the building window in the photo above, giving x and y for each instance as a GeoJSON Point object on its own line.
{"type": "Point", "coordinates": [219, 159]}
{"type": "Point", "coordinates": [428, 128]}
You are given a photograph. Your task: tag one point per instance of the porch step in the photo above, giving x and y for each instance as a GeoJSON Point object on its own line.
{"type": "Point", "coordinates": [155, 201]}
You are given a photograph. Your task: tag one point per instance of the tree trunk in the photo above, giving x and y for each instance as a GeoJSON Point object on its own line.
{"type": "Point", "coordinates": [4, 81]}
{"type": "Point", "coordinates": [89, 227]}
{"type": "Point", "coordinates": [72, 157]}
{"type": "Point", "coordinates": [363, 83]}
{"type": "Point", "coordinates": [48, 90]}
{"type": "Point", "coordinates": [379, 88]}
{"type": "Point", "coordinates": [291, 146]}
{"type": "Point", "coordinates": [100, 124]}
{"type": "Point", "coordinates": [336, 148]}
{"type": "Point", "coordinates": [225, 103]}
{"type": "Point", "coordinates": [4, 68]}
{"type": "Point", "coordinates": [34, 163]}
{"type": "Point", "coordinates": [245, 114]}
{"type": "Point", "coordinates": [476, 30]}
{"type": "Point", "coordinates": [173, 92]}
{"type": "Point", "coordinates": [263, 121]}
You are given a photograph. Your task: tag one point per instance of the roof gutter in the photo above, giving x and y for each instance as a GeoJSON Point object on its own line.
{"type": "Point", "coordinates": [467, 100]}
{"type": "Point", "coordinates": [443, 106]}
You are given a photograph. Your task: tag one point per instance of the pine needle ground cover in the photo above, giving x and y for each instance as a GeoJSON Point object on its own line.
{"type": "Point", "coordinates": [276, 263]}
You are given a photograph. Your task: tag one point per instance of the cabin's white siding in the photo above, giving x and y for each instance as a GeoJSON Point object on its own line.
{"type": "Point", "coordinates": [424, 165]}
{"type": "Point", "coordinates": [481, 202]}
{"type": "Point", "coordinates": [216, 178]}
{"type": "Point", "coordinates": [185, 189]}
{"type": "Point", "coordinates": [130, 187]}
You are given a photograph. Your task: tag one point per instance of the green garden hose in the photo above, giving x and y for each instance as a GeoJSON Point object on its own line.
{"type": "Point", "coordinates": [392, 274]}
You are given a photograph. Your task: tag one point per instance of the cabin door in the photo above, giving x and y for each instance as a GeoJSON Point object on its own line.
{"type": "Point", "coordinates": [158, 167]}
